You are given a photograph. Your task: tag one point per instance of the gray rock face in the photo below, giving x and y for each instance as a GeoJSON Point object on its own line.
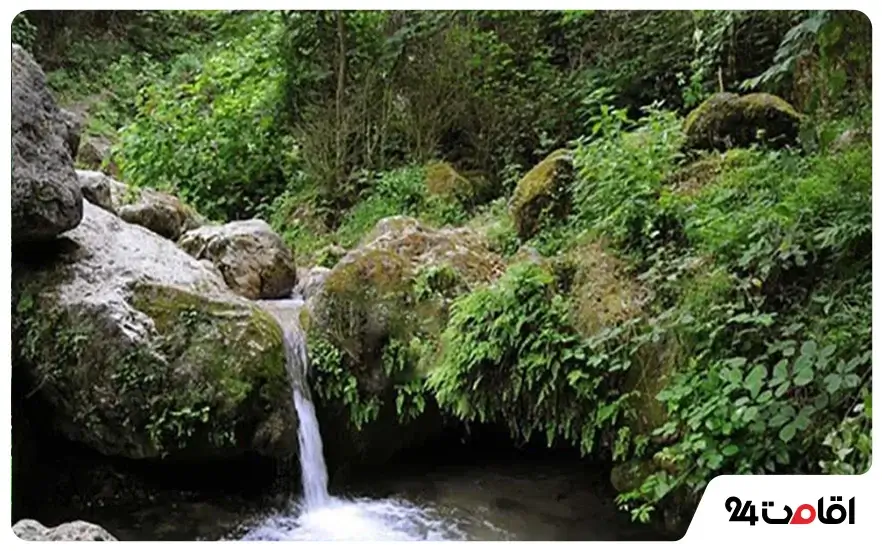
{"type": "Point", "coordinates": [142, 352]}
{"type": "Point", "coordinates": [78, 530]}
{"type": "Point", "coordinates": [310, 282]}
{"type": "Point", "coordinates": [73, 129]}
{"type": "Point", "coordinates": [157, 211]}
{"type": "Point", "coordinates": [96, 153]}
{"type": "Point", "coordinates": [46, 198]}
{"type": "Point", "coordinates": [97, 188]}
{"type": "Point", "coordinates": [254, 260]}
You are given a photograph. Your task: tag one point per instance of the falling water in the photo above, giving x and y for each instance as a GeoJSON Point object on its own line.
{"type": "Point", "coordinates": [314, 473]}
{"type": "Point", "coordinates": [320, 516]}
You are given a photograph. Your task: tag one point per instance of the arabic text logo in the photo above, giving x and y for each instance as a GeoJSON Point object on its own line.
{"type": "Point", "coordinates": [835, 513]}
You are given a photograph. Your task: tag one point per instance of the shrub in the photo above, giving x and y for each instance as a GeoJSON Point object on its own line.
{"type": "Point", "coordinates": [212, 134]}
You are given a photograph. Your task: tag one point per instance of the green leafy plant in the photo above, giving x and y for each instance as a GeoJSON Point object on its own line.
{"type": "Point", "coordinates": [510, 355]}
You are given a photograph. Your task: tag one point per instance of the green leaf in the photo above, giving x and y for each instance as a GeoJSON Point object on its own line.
{"type": "Point", "coordinates": [782, 389]}
{"type": "Point", "coordinates": [851, 380]}
{"type": "Point", "coordinates": [779, 419]}
{"type": "Point", "coordinates": [802, 363]}
{"type": "Point", "coordinates": [804, 377]}
{"type": "Point", "coordinates": [714, 460]}
{"type": "Point", "coordinates": [809, 348]}
{"type": "Point", "coordinates": [730, 450]}
{"type": "Point", "coordinates": [779, 374]}
{"type": "Point", "coordinates": [754, 380]}
{"type": "Point", "coordinates": [788, 432]}
{"type": "Point", "coordinates": [833, 382]}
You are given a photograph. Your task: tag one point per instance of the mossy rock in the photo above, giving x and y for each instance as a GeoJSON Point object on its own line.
{"type": "Point", "coordinates": [604, 294]}
{"type": "Point", "coordinates": [726, 121]}
{"type": "Point", "coordinates": [397, 283]}
{"type": "Point", "coordinates": [543, 194]}
{"type": "Point", "coordinates": [139, 351]}
{"type": "Point", "coordinates": [468, 189]}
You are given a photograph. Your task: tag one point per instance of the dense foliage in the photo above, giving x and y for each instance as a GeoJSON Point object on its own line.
{"type": "Point", "coordinates": [733, 335]}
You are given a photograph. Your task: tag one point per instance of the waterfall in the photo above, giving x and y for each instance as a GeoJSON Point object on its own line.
{"type": "Point", "coordinates": [314, 473]}
{"type": "Point", "coordinates": [318, 515]}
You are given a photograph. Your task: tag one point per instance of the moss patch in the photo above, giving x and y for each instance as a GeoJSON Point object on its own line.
{"type": "Point", "coordinates": [695, 176]}
{"type": "Point", "coordinates": [602, 293]}
{"type": "Point", "coordinates": [232, 356]}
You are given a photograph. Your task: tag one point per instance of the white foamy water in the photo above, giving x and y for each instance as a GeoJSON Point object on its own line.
{"type": "Point", "coordinates": [356, 519]}
{"type": "Point", "coordinates": [318, 515]}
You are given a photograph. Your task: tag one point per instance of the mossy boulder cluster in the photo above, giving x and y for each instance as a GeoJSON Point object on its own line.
{"type": "Point", "coordinates": [543, 194]}
{"type": "Point", "coordinates": [123, 343]}
{"type": "Point", "coordinates": [142, 352]}
{"type": "Point", "coordinates": [726, 121]}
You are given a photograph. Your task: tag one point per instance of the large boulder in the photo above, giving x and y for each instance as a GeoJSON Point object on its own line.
{"type": "Point", "coordinates": [604, 294]}
{"type": "Point", "coordinates": [543, 194]}
{"type": "Point", "coordinates": [157, 211]}
{"type": "Point", "coordinates": [725, 121]}
{"type": "Point", "coordinates": [400, 278]}
{"type": "Point", "coordinates": [373, 325]}
{"type": "Point", "coordinates": [137, 350]}
{"type": "Point", "coordinates": [78, 530]}
{"type": "Point", "coordinates": [46, 198]}
{"type": "Point", "coordinates": [254, 260]}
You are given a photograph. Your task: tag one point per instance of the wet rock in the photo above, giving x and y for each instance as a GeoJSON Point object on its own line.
{"type": "Point", "coordinates": [78, 530]}
{"type": "Point", "coordinates": [254, 260]}
{"type": "Point", "coordinates": [311, 281]}
{"type": "Point", "coordinates": [46, 197]}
